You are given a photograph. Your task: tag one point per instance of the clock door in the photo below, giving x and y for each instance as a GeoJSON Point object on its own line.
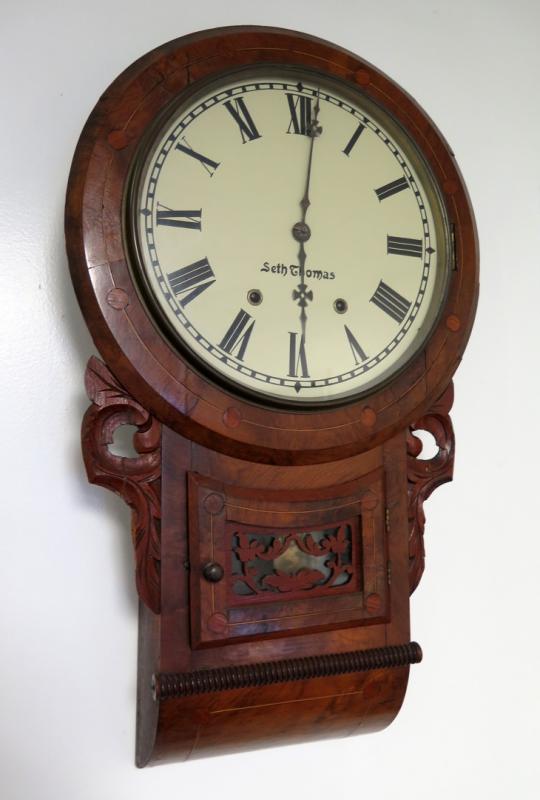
{"type": "Point", "coordinates": [267, 562]}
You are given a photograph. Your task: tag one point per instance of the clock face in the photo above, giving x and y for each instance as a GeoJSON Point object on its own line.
{"type": "Point", "coordinates": [288, 236]}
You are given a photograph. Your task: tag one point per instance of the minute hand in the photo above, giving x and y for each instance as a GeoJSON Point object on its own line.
{"type": "Point", "coordinates": [301, 231]}
{"type": "Point", "coordinates": [313, 131]}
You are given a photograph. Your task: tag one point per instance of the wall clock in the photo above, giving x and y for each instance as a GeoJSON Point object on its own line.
{"type": "Point", "coordinates": [276, 256]}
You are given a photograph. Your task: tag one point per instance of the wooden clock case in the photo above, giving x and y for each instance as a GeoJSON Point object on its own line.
{"type": "Point", "coordinates": [234, 652]}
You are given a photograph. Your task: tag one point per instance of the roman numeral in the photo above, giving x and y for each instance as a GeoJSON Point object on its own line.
{"type": "Point", "coordinates": [237, 336]}
{"type": "Point", "coordinates": [297, 356]}
{"type": "Point", "coordinates": [178, 219]}
{"type": "Point", "coordinates": [354, 138]}
{"type": "Point", "coordinates": [243, 119]}
{"type": "Point", "coordinates": [391, 302]}
{"type": "Point", "coordinates": [392, 188]}
{"type": "Point", "coordinates": [399, 246]}
{"type": "Point", "coordinates": [193, 279]}
{"type": "Point", "coordinates": [209, 165]}
{"type": "Point", "coordinates": [357, 351]}
{"type": "Point", "coordinates": [300, 109]}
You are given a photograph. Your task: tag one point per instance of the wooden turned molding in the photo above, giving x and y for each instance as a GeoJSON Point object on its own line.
{"type": "Point", "coordinates": [425, 475]}
{"type": "Point", "coordinates": [295, 669]}
{"type": "Point", "coordinates": [136, 480]}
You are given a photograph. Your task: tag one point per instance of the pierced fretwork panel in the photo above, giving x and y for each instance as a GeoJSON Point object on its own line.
{"type": "Point", "coordinates": [267, 564]}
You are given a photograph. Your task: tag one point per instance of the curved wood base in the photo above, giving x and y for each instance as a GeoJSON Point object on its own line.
{"type": "Point", "coordinates": [252, 717]}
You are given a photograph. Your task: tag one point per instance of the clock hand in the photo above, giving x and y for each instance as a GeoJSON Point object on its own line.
{"type": "Point", "coordinates": [300, 293]}
{"type": "Point", "coordinates": [301, 231]}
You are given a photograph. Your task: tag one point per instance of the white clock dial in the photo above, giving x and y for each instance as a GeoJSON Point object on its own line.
{"type": "Point", "coordinates": [290, 236]}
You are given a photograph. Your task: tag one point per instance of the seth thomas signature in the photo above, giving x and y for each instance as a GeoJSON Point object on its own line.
{"type": "Point", "coordinates": [294, 270]}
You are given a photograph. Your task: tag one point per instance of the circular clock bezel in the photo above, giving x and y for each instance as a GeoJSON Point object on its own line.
{"type": "Point", "coordinates": [143, 156]}
{"type": "Point", "coordinates": [154, 372]}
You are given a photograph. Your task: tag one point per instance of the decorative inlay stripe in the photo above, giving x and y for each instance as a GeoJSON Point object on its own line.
{"type": "Point", "coordinates": [182, 684]}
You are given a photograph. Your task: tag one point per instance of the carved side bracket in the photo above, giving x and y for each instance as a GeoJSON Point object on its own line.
{"type": "Point", "coordinates": [136, 480]}
{"type": "Point", "coordinates": [424, 475]}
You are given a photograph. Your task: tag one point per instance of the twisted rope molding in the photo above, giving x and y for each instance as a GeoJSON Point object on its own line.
{"type": "Point", "coordinates": [182, 684]}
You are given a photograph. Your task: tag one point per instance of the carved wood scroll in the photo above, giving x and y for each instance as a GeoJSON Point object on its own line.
{"type": "Point", "coordinates": [136, 480]}
{"type": "Point", "coordinates": [424, 475]}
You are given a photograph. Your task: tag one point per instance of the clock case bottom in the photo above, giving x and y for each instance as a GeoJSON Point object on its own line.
{"type": "Point", "coordinates": [234, 720]}
{"type": "Point", "coordinates": [343, 669]}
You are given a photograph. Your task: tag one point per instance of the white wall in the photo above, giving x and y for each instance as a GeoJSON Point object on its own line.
{"type": "Point", "coordinates": [470, 724]}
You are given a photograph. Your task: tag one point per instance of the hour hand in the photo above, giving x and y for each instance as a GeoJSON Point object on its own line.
{"type": "Point", "coordinates": [302, 295]}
